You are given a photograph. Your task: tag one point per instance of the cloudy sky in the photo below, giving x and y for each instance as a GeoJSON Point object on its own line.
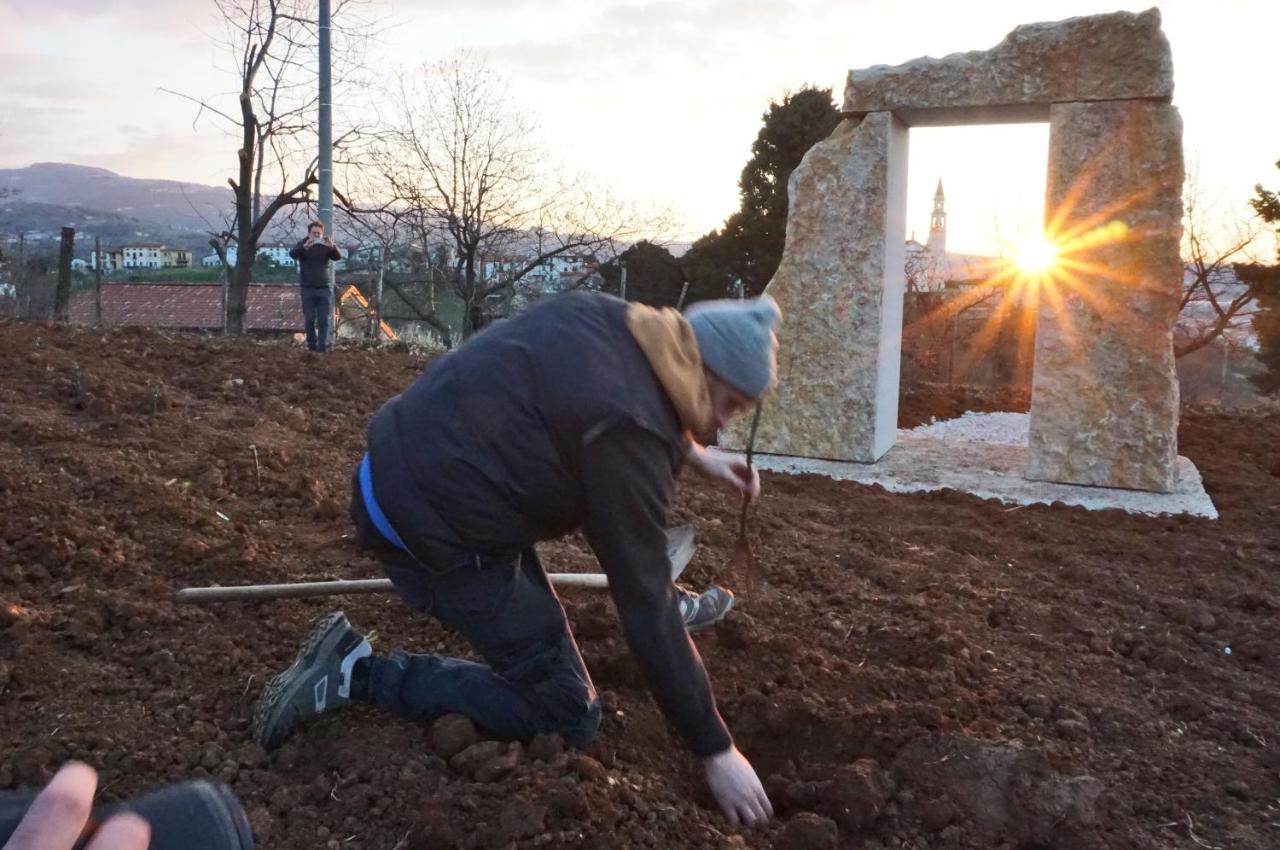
{"type": "Point", "coordinates": [660, 99]}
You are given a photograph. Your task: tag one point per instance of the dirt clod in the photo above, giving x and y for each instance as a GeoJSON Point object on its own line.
{"type": "Point", "coordinates": [546, 747]}
{"type": "Point", "coordinates": [522, 820]}
{"type": "Point", "coordinates": [470, 760]}
{"type": "Point", "coordinates": [855, 796]}
{"type": "Point", "coordinates": [808, 831]}
{"type": "Point", "coordinates": [587, 768]}
{"type": "Point", "coordinates": [451, 734]}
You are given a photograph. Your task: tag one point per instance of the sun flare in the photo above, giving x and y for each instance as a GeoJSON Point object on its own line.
{"type": "Point", "coordinates": [1036, 256]}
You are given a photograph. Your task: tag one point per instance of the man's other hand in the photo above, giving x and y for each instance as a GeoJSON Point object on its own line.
{"type": "Point", "coordinates": [737, 789]}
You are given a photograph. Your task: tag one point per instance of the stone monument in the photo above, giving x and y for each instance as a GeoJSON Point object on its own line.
{"type": "Point", "coordinates": [1105, 396]}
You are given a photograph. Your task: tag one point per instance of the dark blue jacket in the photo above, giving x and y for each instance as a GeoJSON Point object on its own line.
{"type": "Point", "coordinates": [313, 263]}
{"type": "Point", "coordinates": [540, 425]}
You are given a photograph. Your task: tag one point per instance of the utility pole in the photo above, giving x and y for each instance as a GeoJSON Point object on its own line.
{"type": "Point", "coordinates": [684, 290]}
{"type": "Point", "coordinates": [20, 279]}
{"type": "Point", "coordinates": [622, 288]}
{"type": "Point", "coordinates": [326, 152]}
{"type": "Point", "coordinates": [97, 275]}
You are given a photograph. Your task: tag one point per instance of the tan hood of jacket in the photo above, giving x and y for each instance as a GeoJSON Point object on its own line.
{"type": "Point", "coordinates": [668, 343]}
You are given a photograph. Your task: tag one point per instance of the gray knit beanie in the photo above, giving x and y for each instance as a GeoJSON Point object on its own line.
{"type": "Point", "coordinates": [736, 341]}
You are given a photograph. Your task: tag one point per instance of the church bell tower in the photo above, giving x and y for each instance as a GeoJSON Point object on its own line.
{"type": "Point", "coordinates": [937, 243]}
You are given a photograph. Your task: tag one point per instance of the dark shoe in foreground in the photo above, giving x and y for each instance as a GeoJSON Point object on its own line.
{"type": "Point", "coordinates": [705, 610]}
{"type": "Point", "coordinates": [319, 680]}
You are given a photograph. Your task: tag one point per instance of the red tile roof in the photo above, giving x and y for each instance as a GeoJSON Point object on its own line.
{"type": "Point", "coordinates": [272, 307]}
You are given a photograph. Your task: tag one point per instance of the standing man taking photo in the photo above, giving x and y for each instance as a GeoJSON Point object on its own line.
{"type": "Point", "coordinates": [577, 414]}
{"type": "Point", "coordinates": [314, 255]}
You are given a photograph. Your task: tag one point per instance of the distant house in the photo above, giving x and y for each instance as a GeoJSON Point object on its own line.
{"type": "Point", "coordinates": [551, 275]}
{"type": "Point", "coordinates": [152, 255]}
{"type": "Point", "coordinates": [111, 259]}
{"type": "Point", "coordinates": [276, 253]}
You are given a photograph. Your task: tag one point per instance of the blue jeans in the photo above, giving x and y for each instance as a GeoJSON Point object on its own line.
{"type": "Point", "coordinates": [315, 314]}
{"type": "Point", "coordinates": [533, 679]}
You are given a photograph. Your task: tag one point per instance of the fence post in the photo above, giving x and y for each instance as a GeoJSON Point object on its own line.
{"type": "Point", "coordinates": [62, 295]}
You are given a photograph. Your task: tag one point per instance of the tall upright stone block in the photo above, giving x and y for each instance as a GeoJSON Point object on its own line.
{"type": "Point", "coordinates": [840, 287]}
{"type": "Point", "coordinates": [1104, 407]}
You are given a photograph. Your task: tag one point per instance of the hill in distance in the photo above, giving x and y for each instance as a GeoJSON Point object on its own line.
{"type": "Point", "coordinates": [46, 196]}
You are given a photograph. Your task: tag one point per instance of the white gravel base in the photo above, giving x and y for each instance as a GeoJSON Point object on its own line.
{"type": "Point", "coordinates": [985, 454]}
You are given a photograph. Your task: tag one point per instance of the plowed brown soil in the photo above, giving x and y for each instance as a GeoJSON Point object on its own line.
{"type": "Point", "coordinates": [928, 671]}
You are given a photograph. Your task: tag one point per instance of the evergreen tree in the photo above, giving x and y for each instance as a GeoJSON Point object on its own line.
{"type": "Point", "coordinates": [749, 245]}
{"type": "Point", "coordinates": [1266, 283]}
{"type": "Point", "coordinates": [1266, 204]}
{"type": "Point", "coordinates": [654, 276]}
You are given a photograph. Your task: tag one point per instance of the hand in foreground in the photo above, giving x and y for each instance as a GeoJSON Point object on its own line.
{"type": "Point", "coordinates": [328, 240]}
{"type": "Point", "coordinates": [58, 816]}
{"type": "Point", "coordinates": [737, 789]}
{"type": "Point", "coordinates": [732, 470]}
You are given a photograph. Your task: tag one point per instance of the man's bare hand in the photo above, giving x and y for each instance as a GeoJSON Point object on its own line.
{"type": "Point", "coordinates": [59, 814]}
{"type": "Point", "coordinates": [737, 789]}
{"type": "Point", "coordinates": [328, 240]}
{"type": "Point", "coordinates": [729, 468]}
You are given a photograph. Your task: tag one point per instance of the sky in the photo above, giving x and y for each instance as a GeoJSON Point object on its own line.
{"type": "Point", "coordinates": [658, 99]}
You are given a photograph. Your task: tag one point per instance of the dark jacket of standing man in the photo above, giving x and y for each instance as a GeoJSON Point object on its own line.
{"type": "Point", "coordinates": [313, 255]}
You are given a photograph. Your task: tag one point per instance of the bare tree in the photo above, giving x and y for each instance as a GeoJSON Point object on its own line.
{"type": "Point", "coordinates": [391, 228]}
{"type": "Point", "coordinates": [273, 47]}
{"type": "Point", "coordinates": [463, 159]}
{"type": "Point", "coordinates": [1215, 301]}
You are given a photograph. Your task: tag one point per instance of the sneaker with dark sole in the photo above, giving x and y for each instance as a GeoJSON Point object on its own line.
{"type": "Point", "coordinates": [318, 681]}
{"type": "Point", "coordinates": [702, 611]}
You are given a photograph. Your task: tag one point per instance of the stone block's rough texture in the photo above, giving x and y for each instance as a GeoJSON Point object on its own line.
{"type": "Point", "coordinates": [840, 287]}
{"type": "Point", "coordinates": [1104, 407]}
{"type": "Point", "coordinates": [1117, 56]}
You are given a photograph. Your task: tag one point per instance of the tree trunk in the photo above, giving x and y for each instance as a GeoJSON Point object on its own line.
{"type": "Point", "coordinates": [375, 309]}
{"type": "Point", "coordinates": [62, 295]}
{"type": "Point", "coordinates": [238, 294]}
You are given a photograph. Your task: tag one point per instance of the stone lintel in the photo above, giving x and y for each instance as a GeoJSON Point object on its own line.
{"type": "Point", "coordinates": [958, 116]}
{"type": "Point", "coordinates": [1115, 56]}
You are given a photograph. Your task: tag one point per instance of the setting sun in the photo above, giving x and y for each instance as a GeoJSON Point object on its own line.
{"type": "Point", "coordinates": [1036, 256]}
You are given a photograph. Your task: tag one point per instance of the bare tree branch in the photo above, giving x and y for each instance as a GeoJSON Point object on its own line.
{"type": "Point", "coordinates": [1214, 300]}
{"type": "Point", "coordinates": [464, 158]}
{"type": "Point", "coordinates": [273, 48]}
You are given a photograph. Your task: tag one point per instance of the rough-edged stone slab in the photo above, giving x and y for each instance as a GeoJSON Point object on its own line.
{"type": "Point", "coordinates": [1104, 407]}
{"type": "Point", "coordinates": [1117, 56]}
{"type": "Point", "coordinates": [922, 461]}
{"type": "Point", "coordinates": [840, 286]}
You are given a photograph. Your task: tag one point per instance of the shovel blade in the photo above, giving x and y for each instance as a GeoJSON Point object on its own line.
{"type": "Point", "coordinates": [680, 548]}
